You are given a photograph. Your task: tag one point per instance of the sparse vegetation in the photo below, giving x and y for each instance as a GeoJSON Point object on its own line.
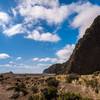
{"type": "Point", "coordinates": [34, 89]}
{"type": "Point", "coordinates": [96, 73]}
{"type": "Point", "coordinates": [72, 77]}
{"type": "Point", "coordinates": [20, 87]}
{"type": "Point", "coordinates": [51, 88]}
{"type": "Point", "coordinates": [92, 83]}
{"type": "Point", "coordinates": [52, 82]}
{"type": "Point", "coordinates": [71, 96]}
{"type": "Point", "coordinates": [50, 93]}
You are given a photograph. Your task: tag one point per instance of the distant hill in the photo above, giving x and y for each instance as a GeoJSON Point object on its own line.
{"type": "Point", "coordinates": [56, 69]}
{"type": "Point", "coordinates": [85, 58]}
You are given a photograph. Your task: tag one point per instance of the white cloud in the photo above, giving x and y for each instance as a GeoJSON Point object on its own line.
{"type": "Point", "coordinates": [13, 30]}
{"type": "Point", "coordinates": [49, 3]}
{"type": "Point", "coordinates": [45, 59]}
{"type": "Point", "coordinates": [64, 53]}
{"type": "Point", "coordinates": [86, 13]}
{"type": "Point", "coordinates": [4, 56]}
{"type": "Point", "coordinates": [46, 37]}
{"type": "Point", "coordinates": [4, 65]}
{"type": "Point", "coordinates": [55, 14]}
{"type": "Point", "coordinates": [4, 19]}
{"type": "Point", "coordinates": [18, 58]}
{"type": "Point", "coordinates": [50, 11]}
{"type": "Point", "coordinates": [35, 59]}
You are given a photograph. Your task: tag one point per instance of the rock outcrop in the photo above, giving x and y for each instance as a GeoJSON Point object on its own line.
{"type": "Point", "coordinates": [56, 69]}
{"type": "Point", "coordinates": [85, 58]}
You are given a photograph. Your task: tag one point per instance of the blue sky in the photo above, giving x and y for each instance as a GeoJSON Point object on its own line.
{"type": "Point", "coordinates": [35, 34]}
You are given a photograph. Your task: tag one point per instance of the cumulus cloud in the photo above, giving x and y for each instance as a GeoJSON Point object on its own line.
{"type": "Point", "coordinates": [86, 13]}
{"type": "Point", "coordinates": [4, 56]}
{"type": "Point", "coordinates": [13, 30]}
{"type": "Point", "coordinates": [64, 53]}
{"type": "Point", "coordinates": [46, 37]}
{"type": "Point", "coordinates": [50, 11]}
{"type": "Point", "coordinates": [32, 11]}
{"type": "Point", "coordinates": [4, 19]}
{"type": "Point", "coordinates": [54, 14]}
{"type": "Point", "coordinates": [49, 3]}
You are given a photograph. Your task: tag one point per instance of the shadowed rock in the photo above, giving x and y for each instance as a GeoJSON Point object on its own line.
{"type": "Point", "coordinates": [85, 58]}
{"type": "Point", "coordinates": [55, 69]}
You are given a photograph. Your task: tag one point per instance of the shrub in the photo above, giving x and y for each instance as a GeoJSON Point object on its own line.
{"type": "Point", "coordinates": [71, 96]}
{"type": "Point", "coordinates": [1, 78]}
{"type": "Point", "coordinates": [97, 90]}
{"type": "Point", "coordinates": [52, 82]}
{"type": "Point", "coordinates": [72, 77]}
{"type": "Point", "coordinates": [30, 98]}
{"type": "Point", "coordinates": [34, 89]}
{"type": "Point", "coordinates": [21, 88]}
{"type": "Point", "coordinates": [35, 97]}
{"type": "Point", "coordinates": [96, 73]}
{"type": "Point", "coordinates": [92, 83]}
{"type": "Point", "coordinates": [50, 93]}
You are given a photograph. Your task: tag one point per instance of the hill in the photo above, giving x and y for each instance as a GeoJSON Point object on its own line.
{"type": "Point", "coordinates": [85, 58]}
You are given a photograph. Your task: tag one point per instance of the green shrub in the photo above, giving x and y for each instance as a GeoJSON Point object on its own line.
{"type": "Point", "coordinates": [71, 96]}
{"type": "Point", "coordinates": [52, 82]}
{"type": "Point", "coordinates": [35, 97]}
{"type": "Point", "coordinates": [50, 93]}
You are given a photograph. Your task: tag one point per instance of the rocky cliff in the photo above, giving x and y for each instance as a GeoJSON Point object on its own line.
{"type": "Point", "coordinates": [85, 58]}
{"type": "Point", "coordinates": [86, 55]}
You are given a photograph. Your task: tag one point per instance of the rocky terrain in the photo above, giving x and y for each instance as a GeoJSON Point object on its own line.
{"type": "Point", "coordinates": [85, 58]}
{"type": "Point", "coordinates": [21, 86]}
{"type": "Point", "coordinates": [49, 87]}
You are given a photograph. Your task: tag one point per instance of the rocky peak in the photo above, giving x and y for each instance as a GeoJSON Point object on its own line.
{"type": "Point", "coordinates": [85, 58]}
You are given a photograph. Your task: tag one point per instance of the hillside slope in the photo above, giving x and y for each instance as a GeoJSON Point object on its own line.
{"type": "Point", "coordinates": [85, 58]}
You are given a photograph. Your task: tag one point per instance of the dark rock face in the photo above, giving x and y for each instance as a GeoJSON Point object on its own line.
{"type": "Point", "coordinates": [85, 58]}
{"type": "Point", "coordinates": [55, 69]}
